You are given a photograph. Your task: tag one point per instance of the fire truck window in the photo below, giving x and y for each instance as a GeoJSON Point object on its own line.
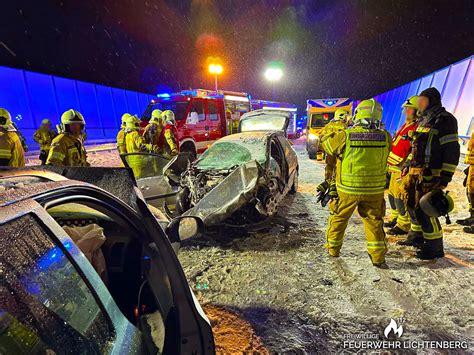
{"type": "Point", "coordinates": [211, 107]}
{"type": "Point", "coordinates": [199, 108]}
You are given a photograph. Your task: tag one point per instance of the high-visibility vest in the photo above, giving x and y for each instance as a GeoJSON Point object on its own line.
{"type": "Point", "coordinates": [364, 162]}
{"type": "Point", "coordinates": [470, 151]}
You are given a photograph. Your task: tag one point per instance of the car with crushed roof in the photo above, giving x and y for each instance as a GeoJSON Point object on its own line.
{"type": "Point", "coordinates": [241, 179]}
{"type": "Point", "coordinates": [91, 270]}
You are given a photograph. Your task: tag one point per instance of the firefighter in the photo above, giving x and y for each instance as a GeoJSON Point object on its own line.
{"type": "Point", "coordinates": [121, 147]}
{"type": "Point", "coordinates": [430, 166]}
{"type": "Point", "coordinates": [153, 130]}
{"type": "Point", "coordinates": [337, 124]}
{"type": "Point", "coordinates": [11, 149]}
{"type": "Point", "coordinates": [135, 143]}
{"type": "Point", "coordinates": [469, 184]}
{"type": "Point", "coordinates": [67, 149]}
{"type": "Point", "coordinates": [168, 141]}
{"type": "Point", "coordinates": [362, 153]}
{"type": "Point", "coordinates": [44, 136]}
{"type": "Point", "coordinates": [400, 222]}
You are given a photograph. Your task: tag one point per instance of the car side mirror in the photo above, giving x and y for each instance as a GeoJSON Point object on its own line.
{"type": "Point", "coordinates": [184, 227]}
{"type": "Point", "coordinates": [193, 118]}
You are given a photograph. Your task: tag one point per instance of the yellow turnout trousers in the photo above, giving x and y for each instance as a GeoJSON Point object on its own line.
{"type": "Point", "coordinates": [372, 210]}
{"type": "Point", "coordinates": [403, 218]}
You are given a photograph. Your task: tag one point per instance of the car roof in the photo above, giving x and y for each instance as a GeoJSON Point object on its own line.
{"type": "Point", "coordinates": [14, 188]}
{"type": "Point", "coordinates": [264, 135]}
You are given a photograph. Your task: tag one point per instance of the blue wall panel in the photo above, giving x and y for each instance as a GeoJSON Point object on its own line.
{"type": "Point", "coordinates": [30, 97]}
{"type": "Point", "coordinates": [456, 84]}
{"type": "Point", "coordinates": [66, 95]}
{"type": "Point", "coordinates": [41, 96]}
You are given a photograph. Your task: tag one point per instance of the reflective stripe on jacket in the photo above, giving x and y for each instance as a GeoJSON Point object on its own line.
{"type": "Point", "coordinates": [401, 145]}
{"type": "Point", "coordinates": [67, 150]}
{"type": "Point", "coordinates": [364, 154]}
{"type": "Point", "coordinates": [11, 149]}
{"type": "Point", "coordinates": [44, 138]}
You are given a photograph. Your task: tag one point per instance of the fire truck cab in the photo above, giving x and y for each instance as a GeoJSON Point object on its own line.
{"type": "Point", "coordinates": [320, 112]}
{"type": "Point", "coordinates": [202, 116]}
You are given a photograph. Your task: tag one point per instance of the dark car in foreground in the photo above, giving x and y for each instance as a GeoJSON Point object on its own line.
{"type": "Point", "coordinates": [241, 179]}
{"type": "Point", "coordinates": [84, 271]}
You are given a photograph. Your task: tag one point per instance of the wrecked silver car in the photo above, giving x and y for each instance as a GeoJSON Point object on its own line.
{"type": "Point", "coordinates": [240, 180]}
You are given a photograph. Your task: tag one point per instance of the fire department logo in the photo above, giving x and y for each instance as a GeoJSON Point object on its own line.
{"type": "Point", "coordinates": [393, 326]}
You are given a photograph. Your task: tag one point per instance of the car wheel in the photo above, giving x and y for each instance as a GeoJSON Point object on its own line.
{"type": "Point", "coordinates": [294, 188]}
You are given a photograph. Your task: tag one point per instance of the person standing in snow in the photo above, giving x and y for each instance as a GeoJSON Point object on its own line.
{"type": "Point", "coordinates": [469, 184]}
{"type": "Point", "coordinates": [430, 167]}
{"type": "Point", "coordinates": [401, 145]}
{"type": "Point", "coordinates": [360, 180]}
{"type": "Point", "coordinates": [11, 149]}
{"type": "Point", "coordinates": [44, 136]}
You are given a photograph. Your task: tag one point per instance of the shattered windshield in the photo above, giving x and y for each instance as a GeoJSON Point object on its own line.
{"type": "Point", "coordinates": [263, 122]}
{"type": "Point", "coordinates": [228, 154]}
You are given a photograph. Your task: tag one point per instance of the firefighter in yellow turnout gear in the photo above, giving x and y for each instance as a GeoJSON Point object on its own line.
{"type": "Point", "coordinates": [67, 149]}
{"type": "Point", "coordinates": [135, 143]}
{"type": "Point", "coordinates": [362, 153]}
{"type": "Point", "coordinates": [337, 124]}
{"type": "Point", "coordinates": [11, 149]}
{"type": "Point", "coordinates": [153, 130]}
{"type": "Point", "coordinates": [44, 136]}
{"type": "Point", "coordinates": [168, 141]}
{"type": "Point", "coordinates": [469, 184]}
{"type": "Point", "coordinates": [121, 146]}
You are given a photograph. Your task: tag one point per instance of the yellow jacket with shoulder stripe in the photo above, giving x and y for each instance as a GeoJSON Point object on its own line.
{"type": "Point", "coordinates": [67, 150]}
{"type": "Point", "coordinates": [44, 138]}
{"type": "Point", "coordinates": [362, 165]}
{"type": "Point", "coordinates": [332, 128]}
{"type": "Point", "coordinates": [470, 151]}
{"type": "Point", "coordinates": [11, 149]}
{"type": "Point", "coordinates": [121, 146]}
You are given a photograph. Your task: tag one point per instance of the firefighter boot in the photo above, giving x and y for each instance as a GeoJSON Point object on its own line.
{"type": "Point", "coordinates": [469, 221]}
{"type": "Point", "coordinates": [396, 231]}
{"type": "Point", "coordinates": [414, 239]}
{"type": "Point", "coordinates": [431, 249]}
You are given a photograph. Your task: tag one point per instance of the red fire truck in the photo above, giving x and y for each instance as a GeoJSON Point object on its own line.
{"type": "Point", "coordinates": [202, 116]}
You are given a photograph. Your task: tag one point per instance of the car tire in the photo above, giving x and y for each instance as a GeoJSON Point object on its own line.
{"type": "Point", "coordinates": [294, 187]}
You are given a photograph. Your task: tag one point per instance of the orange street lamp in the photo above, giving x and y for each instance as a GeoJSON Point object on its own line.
{"type": "Point", "coordinates": [215, 69]}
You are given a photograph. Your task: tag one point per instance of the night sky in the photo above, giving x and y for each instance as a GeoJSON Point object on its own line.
{"type": "Point", "coordinates": [329, 48]}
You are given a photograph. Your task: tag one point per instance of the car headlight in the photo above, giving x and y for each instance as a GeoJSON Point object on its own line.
{"type": "Point", "coordinates": [312, 137]}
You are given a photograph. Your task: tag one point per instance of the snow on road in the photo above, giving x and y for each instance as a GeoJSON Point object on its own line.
{"type": "Point", "coordinates": [297, 298]}
{"type": "Point", "coordinates": [282, 292]}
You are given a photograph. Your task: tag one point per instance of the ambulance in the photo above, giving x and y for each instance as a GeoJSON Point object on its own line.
{"type": "Point", "coordinates": [320, 112]}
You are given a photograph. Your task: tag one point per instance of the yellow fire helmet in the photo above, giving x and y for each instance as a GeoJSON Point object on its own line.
{"type": "Point", "coordinates": [5, 119]}
{"type": "Point", "coordinates": [340, 115]}
{"type": "Point", "coordinates": [125, 117]}
{"type": "Point", "coordinates": [132, 123]}
{"type": "Point", "coordinates": [156, 116]}
{"type": "Point", "coordinates": [168, 117]}
{"type": "Point", "coordinates": [367, 112]}
{"type": "Point", "coordinates": [45, 121]}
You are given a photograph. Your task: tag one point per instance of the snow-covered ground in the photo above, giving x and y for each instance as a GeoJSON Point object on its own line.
{"type": "Point", "coordinates": [297, 298]}
{"type": "Point", "coordinates": [279, 292]}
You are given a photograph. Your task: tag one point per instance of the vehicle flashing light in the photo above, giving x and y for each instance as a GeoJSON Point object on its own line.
{"type": "Point", "coordinates": [280, 108]}
{"type": "Point", "coordinates": [236, 98]}
{"type": "Point", "coordinates": [164, 95]}
{"type": "Point", "coordinates": [329, 102]}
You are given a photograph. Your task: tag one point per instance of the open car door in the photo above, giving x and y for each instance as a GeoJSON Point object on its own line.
{"type": "Point", "coordinates": [157, 176]}
{"type": "Point", "coordinates": [265, 120]}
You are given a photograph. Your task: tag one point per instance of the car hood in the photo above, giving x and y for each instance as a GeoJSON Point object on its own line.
{"type": "Point", "coordinates": [236, 190]}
